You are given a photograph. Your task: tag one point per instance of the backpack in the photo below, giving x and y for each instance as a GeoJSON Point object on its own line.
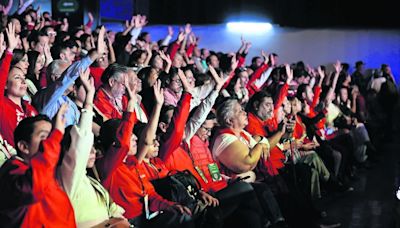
{"type": "Point", "coordinates": [181, 187]}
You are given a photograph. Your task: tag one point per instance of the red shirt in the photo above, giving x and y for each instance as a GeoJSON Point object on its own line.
{"type": "Point", "coordinates": [10, 113]}
{"type": "Point", "coordinates": [258, 127]}
{"type": "Point", "coordinates": [256, 75]}
{"type": "Point", "coordinates": [154, 170]}
{"type": "Point", "coordinates": [173, 152]}
{"type": "Point", "coordinates": [125, 182]}
{"type": "Point", "coordinates": [96, 72]}
{"type": "Point", "coordinates": [30, 195]}
{"type": "Point", "coordinates": [105, 105]}
{"type": "Point", "coordinates": [202, 158]}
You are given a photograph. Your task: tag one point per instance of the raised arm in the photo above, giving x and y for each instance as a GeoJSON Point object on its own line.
{"type": "Point", "coordinates": [146, 139]}
{"type": "Point", "coordinates": [5, 65]}
{"type": "Point", "coordinates": [338, 68]}
{"type": "Point", "coordinates": [204, 108]}
{"type": "Point", "coordinates": [176, 128]}
{"type": "Point", "coordinates": [73, 168]}
{"type": "Point", "coordinates": [116, 154]}
{"type": "Point", "coordinates": [257, 74]}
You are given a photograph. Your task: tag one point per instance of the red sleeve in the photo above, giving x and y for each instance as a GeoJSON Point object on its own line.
{"type": "Point", "coordinates": [231, 75]}
{"type": "Point", "coordinates": [176, 128]}
{"type": "Point", "coordinates": [116, 154]}
{"type": "Point", "coordinates": [4, 69]}
{"type": "Point", "coordinates": [241, 60]}
{"type": "Point", "coordinates": [89, 24]}
{"type": "Point", "coordinates": [44, 163]}
{"type": "Point", "coordinates": [317, 93]}
{"type": "Point", "coordinates": [281, 96]}
{"type": "Point", "coordinates": [174, 49]}
{"type": "Point", "coordinates": [257, 74]}
{"type": "Point", "coordinates": [190, 49]}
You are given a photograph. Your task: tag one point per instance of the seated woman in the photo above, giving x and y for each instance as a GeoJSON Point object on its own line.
{"type": "Point", "coordinates": [91, 202]}
{"type": "Point", "coordinates": [122, 177]}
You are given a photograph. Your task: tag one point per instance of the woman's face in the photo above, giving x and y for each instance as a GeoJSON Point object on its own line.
{"type": "Point", "coordinates": [133, 148]}
{"type": "Point", "coordinates": [16, 85]}
{"type": "Point", "coordinates": [142, 58]}
{"type": "Point", "coordinates": [92, 158]}
{"type": "Point", "coordinates": [239, 119]}
{"type": "Point", "coordinates": [344, 96]}
{"type": "Point", "coordinates": [23, 64]}
{"type": "Point", "coordinates": [39, 64]}
{"type": "Point", "coordinates": [153, 150]}
{"type": "Point", "coordinates": [244, 79]}
{"type": "Point", "coordinates": [190, 78]}
{"type": "Point", "coordinates": [158, 63]}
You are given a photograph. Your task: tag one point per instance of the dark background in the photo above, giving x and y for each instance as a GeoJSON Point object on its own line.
{"type": "Point", "coordinates": [293, 13]}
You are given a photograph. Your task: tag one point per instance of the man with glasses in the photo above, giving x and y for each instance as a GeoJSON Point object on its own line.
{"type": "Point", "coordinates": [110, 99]}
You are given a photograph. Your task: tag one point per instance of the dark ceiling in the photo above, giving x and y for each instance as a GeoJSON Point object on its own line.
{"type": "Point", "coordinates": [294, 13]}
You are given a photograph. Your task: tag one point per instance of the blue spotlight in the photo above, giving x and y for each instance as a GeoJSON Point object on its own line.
{"type": "Point", "coordinates": [249, 27]}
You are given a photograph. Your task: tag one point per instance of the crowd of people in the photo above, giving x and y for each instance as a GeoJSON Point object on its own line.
{"type": "Point", "coordinates": [95, 125]}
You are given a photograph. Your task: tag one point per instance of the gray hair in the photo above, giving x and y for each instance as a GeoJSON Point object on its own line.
{"type": "Point", "coordinates": [54, 68]}
{"type": "Point", "coordinates": [226, 111]}
{"type": "Point", "coordinates": [115, 71]}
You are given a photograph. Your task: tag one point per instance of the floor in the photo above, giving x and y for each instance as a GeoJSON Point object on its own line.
{"type": "Point", "coordinates": [371, 204]}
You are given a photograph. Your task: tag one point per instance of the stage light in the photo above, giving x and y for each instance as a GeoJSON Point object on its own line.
{"type": "Point", "coordinates": [249, 27]}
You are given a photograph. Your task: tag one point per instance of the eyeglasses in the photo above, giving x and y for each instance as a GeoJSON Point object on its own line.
{"type": "Point", "coordinates": [207, 129]}
{"type": "Point", "coordinates": [177, 80]}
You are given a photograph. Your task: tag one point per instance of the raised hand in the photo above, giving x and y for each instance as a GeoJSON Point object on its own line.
{"type": "Point", "coordinates": [186, 85]}
{"type": "Point", "coordinates": [234, 63]}
{"type": "Point", "coordinates": [131, 94]}
{"type": "Point", "coordinates": [170, 31]}
{"type": "Point", "coordinates": [90, 16]}
{"type": "Point", "coordinates": [219, 80]}
{"type": "Point", "coordinates": [87, 81]}
{"type": "Point", "coordinates": [321, 73]}
{"type": "Point", "coordinates": [12, 37]}
{"type": "Point", "coordinates": [289, 73]}
{"type": "Point", "coordinates": [265, 56]}
{"type": "Point", "coordinates": [158, 93]}
{"type": "Point", "coordinates": [164, 57]}
{"type": "Point", "coordinates": [242, 40]}
{"type": "Point", "coordinates": [181, 37]}
{"type": "Point", "coordinates": [60, 118]}
{"type": "Point", "coordinates": [272, 59]}
{"type": "Point", "coordinates": [65, 25]}
{"type": "Point", "coordinates": [337, 66]}
{"type": "Point", "coordinates": [101, 44]}
{"type": "Point", "coordinates": [310, 70]}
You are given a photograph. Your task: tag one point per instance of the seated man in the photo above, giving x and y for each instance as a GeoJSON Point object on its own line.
{"type": "Point", "coordinates": [29, 193]}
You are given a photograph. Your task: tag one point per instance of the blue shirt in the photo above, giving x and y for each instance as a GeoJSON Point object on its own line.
{"type": "Point", "coordinates": [56, 95]}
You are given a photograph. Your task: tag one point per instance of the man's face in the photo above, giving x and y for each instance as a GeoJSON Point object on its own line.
{"type": "Point", "coordinates": [118, 86]}
{"type": "Point", "coordinates": [134, 82]}
{"type": "Point", "coordinates": [39, 47]}
{"type": "Point", "coordinates": [41, 131]}
{"type": "Point", "coordinates": [68, 55]}
{"type": "Point", "coordinates": [265, 108]}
